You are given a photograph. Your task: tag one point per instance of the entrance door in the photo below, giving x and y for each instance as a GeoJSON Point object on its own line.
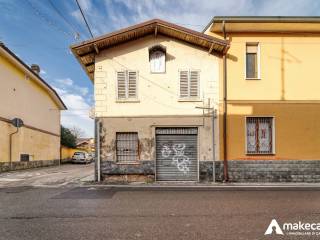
{"type": "Point", "coordinates": [176, 154]}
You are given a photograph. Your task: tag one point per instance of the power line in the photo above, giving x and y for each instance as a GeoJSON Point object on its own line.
{"type": "Point", "coordinates": [84, 18]}
{"type": "Point", "coordinates": [77, 35]}
{"type": "Point", "coordinates": [48, 21]}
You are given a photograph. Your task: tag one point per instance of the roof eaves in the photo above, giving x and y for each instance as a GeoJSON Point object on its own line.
{"type": "Point", "coordinates": [280, 19]}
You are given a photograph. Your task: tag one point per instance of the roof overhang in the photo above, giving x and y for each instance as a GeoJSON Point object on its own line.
{"type": "Point", "coordinates": [85, 51]}
{"type": "Point", "coordinates": [278, 24]}
{"type": "Point", "coordinates": [28, 71]}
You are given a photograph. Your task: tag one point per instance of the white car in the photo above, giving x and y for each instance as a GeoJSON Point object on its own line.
{"type": "Point", "coordinates": [80, 157]}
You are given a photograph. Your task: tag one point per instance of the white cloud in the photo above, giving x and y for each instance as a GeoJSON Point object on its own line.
{"type": "Point", "coordinates": [43, 72]}
{"type": "Point", "coordinates": [78, 109]}
{"type": "Point", "coordinates": [82, 90]}
{"type": "Point", "coordinates": [194, 14]}
{"type": "Point", "coordinates": [64, 82]}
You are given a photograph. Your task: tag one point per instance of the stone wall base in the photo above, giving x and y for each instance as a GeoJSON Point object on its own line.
{"type": "Point", "coordinates": [5, 166]}
{"type": "Point", "coordinates": [241, 171]}
{"type": "Point", "coordinates": [274, 171]}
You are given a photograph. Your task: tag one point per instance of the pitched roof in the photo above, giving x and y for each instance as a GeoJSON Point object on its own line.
{"type": "Point", "coordinates": [53, 94]}
{"type": "Point", "coordinates": [85, 51]}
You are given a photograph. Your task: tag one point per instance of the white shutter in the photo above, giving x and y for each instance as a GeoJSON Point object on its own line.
{"type": "Point", "coordinates": [132, 84]}
{"type": "Point", "coordinates": [194, 84]}
{"type": "Point", "coordinates": [184, 86]}
{"type": "Point", "coordinates": [121, 85]}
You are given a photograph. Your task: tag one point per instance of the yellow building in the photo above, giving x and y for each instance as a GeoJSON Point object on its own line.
{"type": "Point", "coordinates": [272, 97]}
{"type": "Point", "coordinates": [26, 96]}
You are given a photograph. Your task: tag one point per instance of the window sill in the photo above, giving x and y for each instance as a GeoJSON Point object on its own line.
{"type": "Point", "coordinates": [128, 163]}
{"type": "Point", "coordinates": [189, 100]}
{"type": "Point", "coordinates": [128, 101]}
{"type": "Point", "coordinates": [253, 78]}
{"type": "Point", "coordinates": [260, 154]}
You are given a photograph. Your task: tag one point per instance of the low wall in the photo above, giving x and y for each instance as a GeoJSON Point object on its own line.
{"type": "Point", "coordinates": [5, 166]}
{"type": "Point", "coordinates": [274, 171]}
{"type": "Point", "coordinates": [67, 153]}
{"type": "Point", "coordinates": [241, 171]}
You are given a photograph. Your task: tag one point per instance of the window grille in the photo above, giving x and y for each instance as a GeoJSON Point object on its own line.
{"type": "Point", "coordinates": [260, 135]}
{"type": "Point", "coordinates": [127, 147]}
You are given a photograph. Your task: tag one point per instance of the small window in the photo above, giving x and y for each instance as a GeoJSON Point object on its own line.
{"type": "Point", "coordinates": [189, 84]}
{"type": "Point", "coordinates": [260, 139]}
{"type": "Point", "coordinates": [157, 58]}
{"type": "Point", "coordinates": [127, 84]}
{"type": "Point", "coordinates": [127, 147]}
{"type": "Point", "coordinates": [252, 61]}
{"type": "Point", "coordinates": [24, 157]}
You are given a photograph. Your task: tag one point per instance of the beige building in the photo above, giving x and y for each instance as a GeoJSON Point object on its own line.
{"type": "Point", "coordinates": [26, 96]}
{"type": "Point", "coordinates": [156, 89]}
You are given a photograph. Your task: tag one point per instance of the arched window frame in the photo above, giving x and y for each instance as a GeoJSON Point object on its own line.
{"type": "Point", "coordinates": [155, 50]}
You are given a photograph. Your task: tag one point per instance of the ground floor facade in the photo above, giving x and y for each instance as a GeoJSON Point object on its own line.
{"type": "Point", "coordinates": [165, 148]}
{"type": "Point", "coordinates": [29, 147]}
{"type": "Point", "coordinates": [266, 142]}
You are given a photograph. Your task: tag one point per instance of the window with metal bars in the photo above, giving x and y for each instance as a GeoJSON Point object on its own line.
{"type": "Point", "coordinates": [189, 84]}
{"type": "Point", "coordinates": [127, 146]}
{"type": "Point", "coordinates": [260, 139]}
{"type": "Point", "coordinates": [127, 85]}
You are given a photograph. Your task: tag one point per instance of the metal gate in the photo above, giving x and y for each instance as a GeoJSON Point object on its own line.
{"type": "Point", "coordinates": [176, 154]}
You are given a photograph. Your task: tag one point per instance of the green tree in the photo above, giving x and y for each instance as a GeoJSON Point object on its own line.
{"type": "Point", "coordinates": [68, 139]}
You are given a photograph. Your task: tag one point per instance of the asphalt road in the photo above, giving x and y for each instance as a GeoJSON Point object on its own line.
{"type": "Point", "coordinates": [58, 203]}
{"type": "Point", "coordinates": [151, 213]}
{"type": "Point", "coordinates": [57, 176]}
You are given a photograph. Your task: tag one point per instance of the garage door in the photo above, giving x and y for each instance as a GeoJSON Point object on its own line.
{"type": "Point", "coordinates": [176, 154]}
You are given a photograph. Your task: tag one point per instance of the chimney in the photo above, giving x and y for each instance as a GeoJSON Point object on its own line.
{"type": "Point", "coordinates": [35, 68]}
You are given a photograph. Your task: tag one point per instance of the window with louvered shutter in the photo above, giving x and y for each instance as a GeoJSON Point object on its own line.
{"type": "Point", "coordinates": [132, 84]}
{"type": "Point", "coordinates": [194, 84]}
{"type": "Point", "coordinates": [121, 79]}
{"type": "Point", "coordinates": [189, 84]}
{"type": "Point", "coordinates": [127, 85]}
{"type": "Point", "coordinates": [184, 84]}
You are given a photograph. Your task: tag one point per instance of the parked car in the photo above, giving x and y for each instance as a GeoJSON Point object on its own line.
{"type": "Point", "coordinates": [91, 157]}
{"type": "Point", "coordinates": [80, 157]}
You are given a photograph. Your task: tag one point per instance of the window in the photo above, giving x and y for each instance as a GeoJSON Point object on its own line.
{"type": "Point", "coordinates": [127, 147]}
{"type": "Point", "coordinates": [189, 84]}
{"type": "Point", "coordinates": [260, 139]}
{"type": "Point", "coordinates": [157, 58]}
{"type": "Point", "coordinates": [252, 61]}
{"type": "Point", "coordinates": [127, 85]}
{"type": "Point", "coordinates": [24, 157]}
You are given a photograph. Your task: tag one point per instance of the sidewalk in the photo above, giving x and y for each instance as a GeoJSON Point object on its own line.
{"type": "Point", "coordinates": [191, 185]}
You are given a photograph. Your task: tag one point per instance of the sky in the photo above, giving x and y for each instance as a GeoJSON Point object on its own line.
{"type": "Point", "coordinates": [41, 32]}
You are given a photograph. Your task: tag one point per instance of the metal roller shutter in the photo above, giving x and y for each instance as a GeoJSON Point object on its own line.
{"type": "Point", "coordinates": [176, 154]}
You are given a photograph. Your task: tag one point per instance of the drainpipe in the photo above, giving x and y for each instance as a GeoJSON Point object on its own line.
{"type": "Point", "coordinates": [213, 147]}
{"type": "Point", "coordinates": [225, 109]}
{"type": "Point", "coordinates": [97, 140]}
{"type": "Point", "coordinates": [10, 146]}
